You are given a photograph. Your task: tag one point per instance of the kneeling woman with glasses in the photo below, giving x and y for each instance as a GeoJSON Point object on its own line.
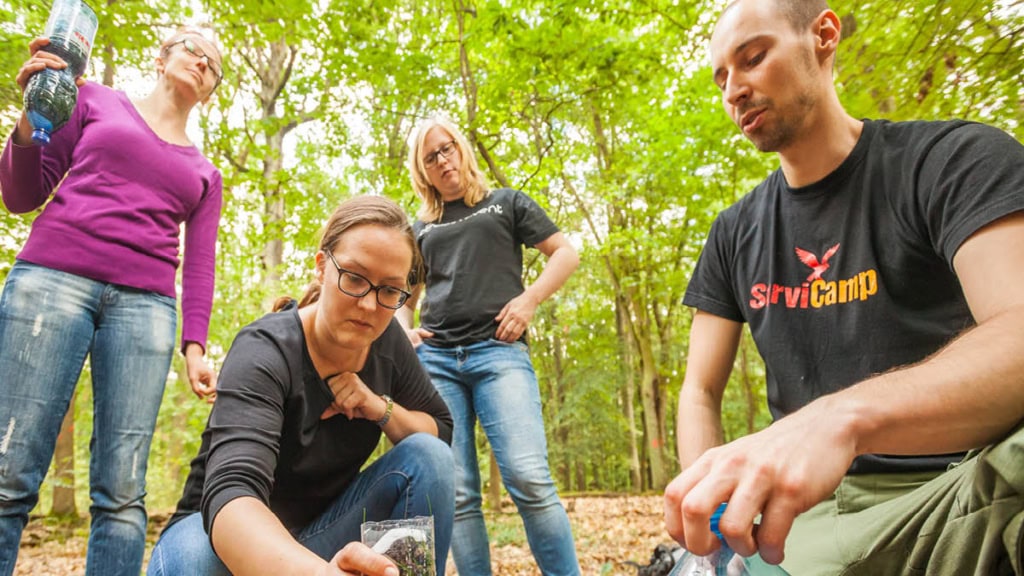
{"type": "Point", "coordinates": [302, 399]}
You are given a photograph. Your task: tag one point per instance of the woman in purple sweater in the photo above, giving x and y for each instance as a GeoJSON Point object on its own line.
{"type": "Point", "coordinates": [97, 278]}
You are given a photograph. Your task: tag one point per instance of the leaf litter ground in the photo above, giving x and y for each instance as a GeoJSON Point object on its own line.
{"type": "Point", "coordinates": [609, 531]}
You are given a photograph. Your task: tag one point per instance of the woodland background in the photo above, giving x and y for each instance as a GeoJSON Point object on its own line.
{"type": "Point", "coordinates": [602, 110]}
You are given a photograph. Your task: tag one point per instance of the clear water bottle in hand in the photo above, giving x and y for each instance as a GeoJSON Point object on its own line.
{"type": "Point", "coordinates": [50, 95]}
{"type": "Point", "coordinates": [723, 562]}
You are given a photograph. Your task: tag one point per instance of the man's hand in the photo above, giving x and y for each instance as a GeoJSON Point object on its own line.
{"type": "Point", "coordinates": [200, 376]}
{"type": "Point", "coordinates": [778, 473]}
{"type": "Point", "coordinates": [356, 559]}
{"type": "Point", "coordinates": [515, 317]}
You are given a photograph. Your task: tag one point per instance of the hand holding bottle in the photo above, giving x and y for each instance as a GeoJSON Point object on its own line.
{"type": "Point", "coordinates": [38, 61]}
{"type": "Point", "coordinates": [50, 79]}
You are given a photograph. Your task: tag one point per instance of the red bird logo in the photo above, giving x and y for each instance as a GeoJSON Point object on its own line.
{"type": "Point", "coordinates": [811, 260]}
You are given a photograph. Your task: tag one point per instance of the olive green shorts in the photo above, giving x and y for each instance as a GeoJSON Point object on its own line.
{"type": "Point", "coordinates": [967, 520]}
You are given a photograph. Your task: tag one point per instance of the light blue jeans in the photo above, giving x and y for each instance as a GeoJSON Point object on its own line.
{"type": "Point", "coordinates": [495, 382]}
{"type": "Point", "coordinates": [49, 322]}
{"type": "Point", "coordinates": [411, 479]}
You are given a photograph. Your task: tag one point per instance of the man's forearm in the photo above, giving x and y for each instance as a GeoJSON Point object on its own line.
{"type": "Point", "coordinates": [969, 394]}
{"type": "Point", "coordinates": [698, 424]}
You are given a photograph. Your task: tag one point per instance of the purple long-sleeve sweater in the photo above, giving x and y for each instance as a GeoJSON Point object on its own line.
{"type": "Point", "coordinates": [116, 215]}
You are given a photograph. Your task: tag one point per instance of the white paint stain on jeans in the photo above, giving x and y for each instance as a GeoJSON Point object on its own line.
{"type": "Point", "coordinates": [37, 328]}
{"type": "Point", "coordinates": [6, 442]}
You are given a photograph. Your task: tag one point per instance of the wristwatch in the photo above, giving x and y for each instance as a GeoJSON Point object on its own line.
{"type": "Point", "coordinates": [387, 411]}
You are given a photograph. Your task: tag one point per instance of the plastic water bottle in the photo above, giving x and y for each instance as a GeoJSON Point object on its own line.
{"type": "Point", "coordinates": [723, 562]}
{"type": "Point", "coordinates": [50, 95]}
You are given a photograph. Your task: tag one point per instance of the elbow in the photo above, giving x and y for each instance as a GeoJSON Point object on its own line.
{"type": "Point", "coordinates": [574, 261]}
{"type": "Point", "coordinates": [570, 258]}
{"type": "Point", "coordinates": [17, 205]}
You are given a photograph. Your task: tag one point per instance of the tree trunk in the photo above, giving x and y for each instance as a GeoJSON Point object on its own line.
{"type": "Point", "coordinates": [494, 485]}
{"type": "Point", "coordinates": [64, 466]}
{"type": "Point", "coordinates": [648, 399]}
{"type": "Point", "coordinates": [630, 398]}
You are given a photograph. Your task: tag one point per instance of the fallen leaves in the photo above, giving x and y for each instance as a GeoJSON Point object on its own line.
{"type": "Point", "coordinates": [609, 530]}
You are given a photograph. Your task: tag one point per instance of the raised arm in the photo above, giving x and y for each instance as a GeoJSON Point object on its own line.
{"type": "Point", "coordinates": [515, 317]}
{"type": "Point", "coordinates": [27, 178]}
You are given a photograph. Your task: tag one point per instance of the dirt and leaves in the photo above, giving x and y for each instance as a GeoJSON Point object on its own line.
{"type": "Point", "coordinates": [610, 531]}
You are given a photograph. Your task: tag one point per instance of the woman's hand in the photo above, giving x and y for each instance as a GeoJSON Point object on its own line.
{"type": "Point", "coordinates": [355, 559]}
{"type": "Point", "coordinates": [200, 376]}
{"type": "Point", "coordinates": [515, 317]}
{"type": "Point", "coordinates": [353, 399]}
{"type": "Point", "coordinates": [38, 60]}
{"type": "Point", "coordinates": [416, 335]}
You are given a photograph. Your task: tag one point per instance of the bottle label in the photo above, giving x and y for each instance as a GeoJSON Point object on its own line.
{"type": "Point", "coordinates": [71, 29]}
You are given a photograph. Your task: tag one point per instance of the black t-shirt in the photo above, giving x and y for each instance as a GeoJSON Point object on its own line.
{"type": "Point", "coordinates": [264, 437]}
{"type": "Point", "coordinates": [474, 262]}
{"type": "Point", "coordinates": [853, 276]}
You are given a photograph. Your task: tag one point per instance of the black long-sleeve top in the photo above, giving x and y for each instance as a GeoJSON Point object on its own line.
{"type": "Point", "coordinates": [265, 438]}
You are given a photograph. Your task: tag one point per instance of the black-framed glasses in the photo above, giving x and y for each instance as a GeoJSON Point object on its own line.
{"type": "Point", "coordinates": [446, 150]}
{"type": "Point", "coordinates": [357, 286]}
{"type": "Point", "coordinates": [194, 49]}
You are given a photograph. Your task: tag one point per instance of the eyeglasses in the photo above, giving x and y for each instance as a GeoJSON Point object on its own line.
{"type": "Point", "coordinates": [193, 49]}
{"type": "Point", "coordinates": [357, 286]}
{"type": "Point", "coordinates": [446, 150]}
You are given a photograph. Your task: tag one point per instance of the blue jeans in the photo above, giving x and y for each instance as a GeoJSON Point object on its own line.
{"type": "Point", "coordinates": [411, 479]}
{"type": "Point", "coordinates": [494, 381]}
{"type": "Point", "coordinates": [49, 322]}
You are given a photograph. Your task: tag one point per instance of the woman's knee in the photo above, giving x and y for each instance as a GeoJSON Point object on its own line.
{"type": "Point", "coordinates": [429, 449]}
{"type": "Point", "coordinates": [185, 548]}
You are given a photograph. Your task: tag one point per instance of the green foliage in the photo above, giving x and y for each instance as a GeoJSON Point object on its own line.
{"type": "Point", "coordinates": [602, 111]}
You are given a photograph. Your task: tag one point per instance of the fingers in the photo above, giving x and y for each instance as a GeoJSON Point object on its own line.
{"type": "Point", "coordinates": [737, 522]}
{"type": "Point", "coordinates": [776, 522]}
{"type": "Point", "coordinates": [351, 395]}
{"type": "Point", "coordinates": [201, 377]}
{"type": "Point", "coordinates": [504, 310]}
{"type": "Point", "coordinates": [510, 329]}
{"type": "Point", "coordinates": [675, 494]}
{"type": "Point", "coordinates": [697, 508]}
{"type": "Point", "coordinates": [36, 44]}
{"type": "Point", "coordinates": [38, 60]}
{"type": "Point", "coordinates": [204, 389]}
{"type": "Point", "coordinates": [416, 336]}
{"type": "Point", "coordinates": [356, 557]}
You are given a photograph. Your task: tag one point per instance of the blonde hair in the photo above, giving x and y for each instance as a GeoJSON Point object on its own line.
{"type": "Point", "coordinates": [471, 178]}
{"type": "Point", "coordinates": [357, 211]}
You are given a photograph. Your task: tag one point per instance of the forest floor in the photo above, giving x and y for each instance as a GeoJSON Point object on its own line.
{"type": "Point", "coordinates": [609, 530]}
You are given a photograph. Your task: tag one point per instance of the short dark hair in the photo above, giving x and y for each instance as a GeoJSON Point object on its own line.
{"type": "Point", "coordinates": [800, 13]}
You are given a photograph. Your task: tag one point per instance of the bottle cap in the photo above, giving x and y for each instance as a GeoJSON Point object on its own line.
{"type": "Point", "coordinates": [40, 137]}
{"type": "Point", "coordinates": [715, 517]}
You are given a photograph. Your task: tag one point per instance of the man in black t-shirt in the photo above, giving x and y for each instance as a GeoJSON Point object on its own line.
{"type": "Point", "coordinates": [879, 270]}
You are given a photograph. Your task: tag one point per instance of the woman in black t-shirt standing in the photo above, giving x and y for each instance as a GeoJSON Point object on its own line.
{"type": "Point", "coordinates": [302, 399]}
{"type": "Point", "coordinates": [472, 330]}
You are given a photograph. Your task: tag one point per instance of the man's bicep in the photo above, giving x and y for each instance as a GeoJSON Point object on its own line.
{"type": "Point", "coordinates": [990, 266]}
